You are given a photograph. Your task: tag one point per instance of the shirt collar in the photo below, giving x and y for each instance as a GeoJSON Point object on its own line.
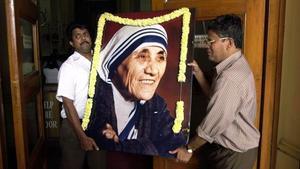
{"type": "Point", "coordinates": [79, 56]}
{"type": "Point", "coordinates": [228, 61]}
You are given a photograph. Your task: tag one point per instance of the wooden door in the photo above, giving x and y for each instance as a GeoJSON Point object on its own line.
{"type": "Point", "coordinates": [25, 77]}
{"type": "Point", "coordinates": [252, 13]}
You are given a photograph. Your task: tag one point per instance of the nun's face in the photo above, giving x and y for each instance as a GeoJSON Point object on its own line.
{"type": "Point", "coordinates": [140, 73]}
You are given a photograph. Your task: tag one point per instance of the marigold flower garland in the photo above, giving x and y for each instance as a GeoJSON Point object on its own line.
{"type": "Point", "coordinates": [179, 117]}
{"type": "Point", "coordinates": [140, 22]}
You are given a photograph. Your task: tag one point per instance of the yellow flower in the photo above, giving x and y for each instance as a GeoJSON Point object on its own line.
{"type": "Point", "coordinates": [86, 118]}
{"type": "Point", "coordinates": [179, 117]}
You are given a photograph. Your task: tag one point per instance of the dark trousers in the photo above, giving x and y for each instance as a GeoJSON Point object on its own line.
{"type": "Point", "coordinates": [73, 157]}
{"type": "Point", "coordinates": [214, 156]}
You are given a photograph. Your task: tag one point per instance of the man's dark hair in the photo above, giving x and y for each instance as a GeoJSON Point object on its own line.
{"type": "Point", "coordinates": [228, 26]}
{"type": "Point", "coordinates": [73, 25]}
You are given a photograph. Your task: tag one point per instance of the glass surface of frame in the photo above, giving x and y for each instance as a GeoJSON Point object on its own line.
{"type": "Point", "coordinates": [32, 124]}
{"type": "Point", "coordinates": [27, 47]}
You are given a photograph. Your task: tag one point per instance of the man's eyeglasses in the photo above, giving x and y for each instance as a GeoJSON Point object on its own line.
{"type": "Point", "coordinates": [209, 42]}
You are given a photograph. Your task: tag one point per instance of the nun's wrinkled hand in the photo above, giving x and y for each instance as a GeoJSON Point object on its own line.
{"type": "Point", "coordinates": [109, 133]}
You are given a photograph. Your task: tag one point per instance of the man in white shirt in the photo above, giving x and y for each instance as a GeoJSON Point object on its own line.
{"type": "Point", "coordinates": [72, 92]}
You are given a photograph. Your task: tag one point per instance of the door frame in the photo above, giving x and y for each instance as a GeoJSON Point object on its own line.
{"type": "Point", "coordinates": [15, 88]}
{"type": "Point", "coordinates": [274, 38]}
{"type": "Point", "coordinates": [24, 88]}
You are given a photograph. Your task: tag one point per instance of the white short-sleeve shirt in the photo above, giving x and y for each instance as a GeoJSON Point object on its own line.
{"type": "Point", "coordinates": [73, 77]}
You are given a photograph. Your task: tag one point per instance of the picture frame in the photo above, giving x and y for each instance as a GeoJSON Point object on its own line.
{"type": "Point", "coordinates": [174, 87]}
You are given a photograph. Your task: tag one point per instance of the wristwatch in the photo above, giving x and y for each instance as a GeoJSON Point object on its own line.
{"type": "Point", "coordinates": [189, 150]}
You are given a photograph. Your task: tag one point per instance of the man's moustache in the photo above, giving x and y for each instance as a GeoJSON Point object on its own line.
{"type": "Point", "coordinates": [84, 42]}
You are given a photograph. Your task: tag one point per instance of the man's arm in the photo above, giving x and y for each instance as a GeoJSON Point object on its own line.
{"type": "Point", "coordinates": [86, 142]}
{"type": "Point", "coordinates": [196, 142]}
{"type": "Point", "coordinates": [200, 77]}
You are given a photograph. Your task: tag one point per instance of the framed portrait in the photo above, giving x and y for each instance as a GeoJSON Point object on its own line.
{"type": "Point", "coordinates": [139, 97]}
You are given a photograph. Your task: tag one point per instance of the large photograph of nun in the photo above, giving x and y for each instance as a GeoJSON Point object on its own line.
{"type": "Point", "coordinates": [136, 89]}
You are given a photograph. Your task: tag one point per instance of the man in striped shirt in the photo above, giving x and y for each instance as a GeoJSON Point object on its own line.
{"type": "Point", "coordinates": [227, 135]}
